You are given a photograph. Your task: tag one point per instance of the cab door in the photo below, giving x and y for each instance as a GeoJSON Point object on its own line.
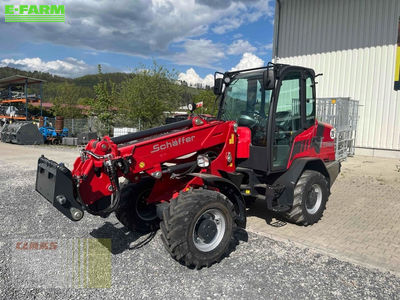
{"type": "Point", "coordinates": [288, 114]}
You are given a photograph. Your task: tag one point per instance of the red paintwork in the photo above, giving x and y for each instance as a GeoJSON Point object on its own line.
{"type": "Point", "coordinates": [243, 148]}
{"type": "Point", "coordinates": [327, 145]}
{"type": "Point", "coordinates": [148, 155]}
{"type": "Point", "coordinates": [165, 189]}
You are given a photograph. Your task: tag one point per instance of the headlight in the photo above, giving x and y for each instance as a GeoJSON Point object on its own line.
{"type": "Point", "coordinates": [203, 161]}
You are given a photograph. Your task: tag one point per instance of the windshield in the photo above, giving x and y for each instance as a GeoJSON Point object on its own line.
{"type": "Point", "coordinates": [247, 103]}
{"type": "Point", "coordinates": [245, 96]}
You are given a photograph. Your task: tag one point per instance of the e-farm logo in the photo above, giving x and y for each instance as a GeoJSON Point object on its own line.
{"type": "Point", "coordinates": [34, 13]}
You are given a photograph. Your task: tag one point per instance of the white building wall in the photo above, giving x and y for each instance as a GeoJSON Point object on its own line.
{"type": "Point", "coordinates": [353, 43]}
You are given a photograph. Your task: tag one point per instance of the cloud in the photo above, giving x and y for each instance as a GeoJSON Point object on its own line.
{"type": "Point", "coordinates": [192, 78]}
{"type": "Point", "coordinates": [69, 67]}
{"type": "Point", "coordinates": [228, 25]}
{"type": "Point", "coordinates": [221, 3]}
{"type": "Point", "coordinates": [265, 49]}
{"type": "Point", "coordinates": [268, 46]}
{"type": "Point", "coordinates": [248, 61]}
{"type": "Point", "coordinates": [247, 11]}
{"type": "Point", "coordinates": [200, 52]}
{"type": "Point", "coordinates": [240, 47]}
{"type": "Point", "coordinates": [140, 28]}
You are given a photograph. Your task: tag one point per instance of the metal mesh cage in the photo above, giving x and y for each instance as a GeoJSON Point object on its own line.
{"type": "Point", "coordinates": [342, 113]}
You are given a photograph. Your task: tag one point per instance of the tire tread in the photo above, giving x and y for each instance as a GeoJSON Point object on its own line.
{"type": "Point", "coordinates": [297, 213]}
{"type": "Point", "coordinates": [176, 219]}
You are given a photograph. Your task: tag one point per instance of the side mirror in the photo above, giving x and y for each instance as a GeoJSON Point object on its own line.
{"type": "Point", "coordinates": [218, 85]}
{"type": "Point", "coordinates": [269, 79]}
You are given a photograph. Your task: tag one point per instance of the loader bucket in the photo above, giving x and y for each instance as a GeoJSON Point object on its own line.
{"type": "Point", "coordinates": [21, 133]}
{"type": "Point", "coordinates": [54, 182]}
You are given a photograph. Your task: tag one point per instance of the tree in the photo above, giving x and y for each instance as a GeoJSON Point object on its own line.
{"type": "Point", "coordinates": [148, 95]}
{"type": "Point", "coordinates": [66, 100]}
{"type": "Point", "coordinates": [209, 102]}
{"type": "Point", "coordinates": [103, 105]}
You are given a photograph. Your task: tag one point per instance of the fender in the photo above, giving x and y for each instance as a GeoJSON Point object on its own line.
{"type": "Point", "coordinates": [230, 190]}
{"type": "Point", "coordinates": [291, 176]}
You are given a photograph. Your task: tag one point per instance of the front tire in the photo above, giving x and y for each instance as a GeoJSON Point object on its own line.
{"type": "Point", "coordinates": [133, 211]}
{"type": "Point", "coordinates": [309, 200]}
{"type": "Point", "coordinates": [198, 227]}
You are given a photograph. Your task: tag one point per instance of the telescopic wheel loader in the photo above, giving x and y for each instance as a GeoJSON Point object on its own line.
{"type": "Point", "coordinates": [193, 178]}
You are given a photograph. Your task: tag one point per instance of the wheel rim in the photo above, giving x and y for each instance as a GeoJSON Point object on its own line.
{"type": "Point", "coordinates": [314, 199]}
{"type": "Point", "coordinates": [209, 230]}
{"type": "Point", "coordinates": [145, 211]}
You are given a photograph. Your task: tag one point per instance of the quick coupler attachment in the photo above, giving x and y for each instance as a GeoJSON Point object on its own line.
{"type": "Point", "coordinates": [54, 182]}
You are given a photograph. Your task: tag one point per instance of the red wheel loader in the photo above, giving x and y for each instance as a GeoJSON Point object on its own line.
{"type": "Point", "coordinates": [192, 178]}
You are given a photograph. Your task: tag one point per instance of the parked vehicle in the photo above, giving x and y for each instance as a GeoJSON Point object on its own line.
{"type": "Point", "coordinates": [192, 177]}
{"type": "Point", "coordinates": [53, 135]}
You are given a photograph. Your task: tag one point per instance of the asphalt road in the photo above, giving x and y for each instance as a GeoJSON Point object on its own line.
{"type": "Point", "coordinates": [258, 268]}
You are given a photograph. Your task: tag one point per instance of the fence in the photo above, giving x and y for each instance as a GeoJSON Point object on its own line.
{"type": "Point", "coordinates": [77, 126]}
{"type": "Point", "coordinates": [342, 113]}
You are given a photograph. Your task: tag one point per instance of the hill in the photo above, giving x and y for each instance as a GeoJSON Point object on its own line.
{"type": "Point", "coordinates": [93, 79]}
{"type": "Point", "coordinates": [8, 71]}
{"type": "Point", "coordinates": [76, 92]}
{"type": "Point", "coordinates": [83, 85]}
{"type": "Point", "coordinates": [86, 80]}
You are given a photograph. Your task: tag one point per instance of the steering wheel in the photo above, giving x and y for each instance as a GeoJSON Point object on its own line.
{"type": "Point", "coordinates": [251, 119]}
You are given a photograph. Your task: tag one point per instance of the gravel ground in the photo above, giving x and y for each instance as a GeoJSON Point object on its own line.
{"type": "Point", "coordinates": [258, 268]}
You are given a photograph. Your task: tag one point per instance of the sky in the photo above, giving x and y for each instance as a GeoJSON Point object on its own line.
{"type": "Point", "coordinates": [194, 37]}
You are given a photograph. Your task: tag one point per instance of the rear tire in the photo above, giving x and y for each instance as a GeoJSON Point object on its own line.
{"type": "Point", "coordinates": [133, 211]}
{"type": "Point", "coordinates": [309, 200]}
{"type": "Point", "coordinates": [198, 227]}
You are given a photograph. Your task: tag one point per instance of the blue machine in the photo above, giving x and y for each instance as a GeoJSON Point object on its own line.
{"type": "Point", "coordinates": [50, 135]}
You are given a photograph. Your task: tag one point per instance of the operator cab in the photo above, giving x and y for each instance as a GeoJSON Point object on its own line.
{"type": "Point", "coordinates": [276, 103]}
